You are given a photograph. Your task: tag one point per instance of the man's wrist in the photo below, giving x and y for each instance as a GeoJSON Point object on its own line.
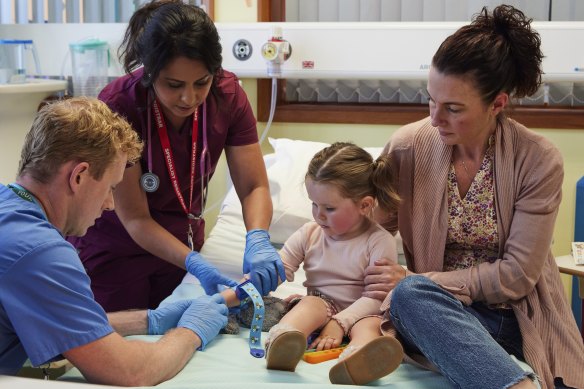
{"type": "Point", "coordinates": [193, 337]}
{"type": "Point", "coordinates": [132, 322]}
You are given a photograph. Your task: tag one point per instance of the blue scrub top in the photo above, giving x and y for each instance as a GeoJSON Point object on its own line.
{"type": "Point", "coordinates": [46, 304]}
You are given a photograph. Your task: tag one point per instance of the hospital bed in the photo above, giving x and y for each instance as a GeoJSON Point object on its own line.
{"type": "Point", "coordinates": [227, 361]}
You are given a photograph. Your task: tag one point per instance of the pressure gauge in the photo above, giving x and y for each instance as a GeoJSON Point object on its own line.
{"type": "Point", "coordinates": [269, 51]}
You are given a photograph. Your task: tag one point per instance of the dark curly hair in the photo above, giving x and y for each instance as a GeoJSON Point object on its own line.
{"type": "Point", "coordinates": [499, 51]}
{"type": "Point", "coordinates": [163, 30]}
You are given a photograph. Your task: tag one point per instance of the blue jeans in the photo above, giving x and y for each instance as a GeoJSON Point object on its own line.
{"type": "Point", "coordinates": [469, 345]}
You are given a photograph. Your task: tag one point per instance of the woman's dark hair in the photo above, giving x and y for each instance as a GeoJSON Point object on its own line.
{"type": "Point", "coordinates": [163, 30]}
{"type": "Point", "coordinates": [499, 51]}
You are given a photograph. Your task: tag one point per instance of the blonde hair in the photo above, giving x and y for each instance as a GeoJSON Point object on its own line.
{"type": "Point", "coordinates": [79, 129]}
{"type": "Point", "coordinates": [354, 172]}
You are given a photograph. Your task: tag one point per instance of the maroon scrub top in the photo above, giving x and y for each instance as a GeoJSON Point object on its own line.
{"type": "Point", "coordinates": [123, 275]}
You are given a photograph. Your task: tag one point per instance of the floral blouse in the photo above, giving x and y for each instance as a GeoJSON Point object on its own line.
{"type": "Point", "coordinates": [472, 227]}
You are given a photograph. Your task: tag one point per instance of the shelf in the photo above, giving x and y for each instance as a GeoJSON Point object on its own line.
{"type": "Point", "coordinates": [35, 85]}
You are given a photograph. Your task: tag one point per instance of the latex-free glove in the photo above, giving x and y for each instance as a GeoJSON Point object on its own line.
{"type": "Point", "coordinates": [262, 262]}
{"type": "Point", "coordinates": [208, 275]}
{"type": "Point", "coordinates": [205, 317]}
{"type": "Point", "coordinates": [166, 316]}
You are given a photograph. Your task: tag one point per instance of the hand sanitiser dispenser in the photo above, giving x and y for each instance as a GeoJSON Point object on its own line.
{"type": "Point", "coordinates": [90, 62]}
{"type": "Point", "coordinates": [13, 58]}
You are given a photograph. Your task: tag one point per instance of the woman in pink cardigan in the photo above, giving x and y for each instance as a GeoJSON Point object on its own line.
{"type": "Point", "coordinates": [480, 197]}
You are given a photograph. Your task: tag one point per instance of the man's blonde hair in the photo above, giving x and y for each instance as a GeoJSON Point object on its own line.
{"type": "Point", "coordinates": [78, 129]}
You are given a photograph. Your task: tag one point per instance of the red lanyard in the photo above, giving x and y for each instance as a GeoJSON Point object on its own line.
{"type": "Point", "coordinates": [170, 165]}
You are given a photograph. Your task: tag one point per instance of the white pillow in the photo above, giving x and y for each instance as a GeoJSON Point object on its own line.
{"type": "Point", "coordinates": [292, 208]}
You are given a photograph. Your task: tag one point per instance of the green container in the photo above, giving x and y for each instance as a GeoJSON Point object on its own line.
{"type": "Point", "coordinates": [90, 63]}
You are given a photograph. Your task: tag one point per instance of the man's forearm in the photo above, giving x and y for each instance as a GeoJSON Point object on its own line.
{"type": "Point", "coordinates": [129, 322]}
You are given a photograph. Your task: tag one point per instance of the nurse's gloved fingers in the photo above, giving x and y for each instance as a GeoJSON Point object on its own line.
{"type": "Point", "coordinates": [229, 282]}
{"type": "Point", "coordinates": [281, 271]}
{"type": "Point", "coordinates": [218, 298]}
{"type": "Point", "coordinates": [257, 281]}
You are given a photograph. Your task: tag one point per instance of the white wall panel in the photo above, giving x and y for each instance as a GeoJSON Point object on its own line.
{"type": "Point", "coordinates": [337, 50]}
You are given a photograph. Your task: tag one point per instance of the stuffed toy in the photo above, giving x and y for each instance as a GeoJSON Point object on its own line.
{"type": "Point", "coordinates": [275, 308]}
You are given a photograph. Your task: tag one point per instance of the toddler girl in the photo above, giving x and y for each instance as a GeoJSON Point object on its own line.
{"type": "Point", "coordinates": [344, 184]}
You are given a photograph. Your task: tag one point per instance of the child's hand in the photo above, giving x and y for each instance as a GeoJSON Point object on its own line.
{"type": "Point", "coordinates": [330, 336]}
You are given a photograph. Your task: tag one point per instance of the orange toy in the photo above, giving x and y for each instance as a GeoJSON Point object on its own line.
{"type": "Point", "coordinates": [324, 355]}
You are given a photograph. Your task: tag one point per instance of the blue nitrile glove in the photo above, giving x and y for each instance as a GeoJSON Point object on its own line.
{"type": "Point", "coordinates": [205, 317]}
{"type": "Point", "coordinates": [208, 275]}
{"type": "Point", "coordinates": [262, 262]}
{"type": "Point", "coordinates": [166, 316]}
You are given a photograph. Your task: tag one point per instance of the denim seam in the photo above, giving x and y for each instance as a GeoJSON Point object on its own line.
{"type": "Point", "coordinates": [525, 374]}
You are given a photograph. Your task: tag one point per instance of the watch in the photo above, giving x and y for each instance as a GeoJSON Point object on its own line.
{"type": "Point", "coordinates": [246, 292]}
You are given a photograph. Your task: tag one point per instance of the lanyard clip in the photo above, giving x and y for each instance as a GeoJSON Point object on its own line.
{"type": "Point", "coordinates": [190, 238]}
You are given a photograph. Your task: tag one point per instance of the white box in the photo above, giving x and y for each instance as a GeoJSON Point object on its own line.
{"type": "Point", "coordinates": [578, 252]}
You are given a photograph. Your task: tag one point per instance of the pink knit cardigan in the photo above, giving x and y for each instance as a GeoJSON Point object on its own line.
{"type": "Point", "coordinates": [528, 179]}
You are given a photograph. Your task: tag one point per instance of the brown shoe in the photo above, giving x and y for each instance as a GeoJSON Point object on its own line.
{"type": "Point", "coordinates": [286, 350]}
{"type": "Point", "coordinates": [374, 360]}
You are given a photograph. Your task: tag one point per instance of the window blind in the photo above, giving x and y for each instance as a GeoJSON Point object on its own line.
{"type": "Point", "coordinates": [414, 92]}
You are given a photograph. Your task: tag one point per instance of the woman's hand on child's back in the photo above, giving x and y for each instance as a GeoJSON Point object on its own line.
{"type": "Point", "coordinates": [330, 336]}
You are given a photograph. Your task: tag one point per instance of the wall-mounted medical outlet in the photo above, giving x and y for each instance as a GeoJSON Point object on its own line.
{"type": "Point", "coordinates": [242, 49]}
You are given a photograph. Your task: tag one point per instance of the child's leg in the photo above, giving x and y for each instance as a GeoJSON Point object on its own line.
{"type": "Point", "coordinates": [368, 357]}
{"type": "Point", "coordinates": [286, 341]}
{"type": "Point", "coordinates": [308, 315]}
{"type": "Point", "coordinates": [365, 330]}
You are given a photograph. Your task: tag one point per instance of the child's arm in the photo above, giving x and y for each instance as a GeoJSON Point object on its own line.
{"type": "Point", "coordinates": [383, 272]}
{"type": "Point", "coordinates": [329, 337]}
{"type": "Point", "coordinates": [381, 244]}
{"type": "Point", "coordinates": [230, 296]}
{"type": "Point", "coordinates": [361, 308]}
{"type": "Point", "coordinates": [289, 253]}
